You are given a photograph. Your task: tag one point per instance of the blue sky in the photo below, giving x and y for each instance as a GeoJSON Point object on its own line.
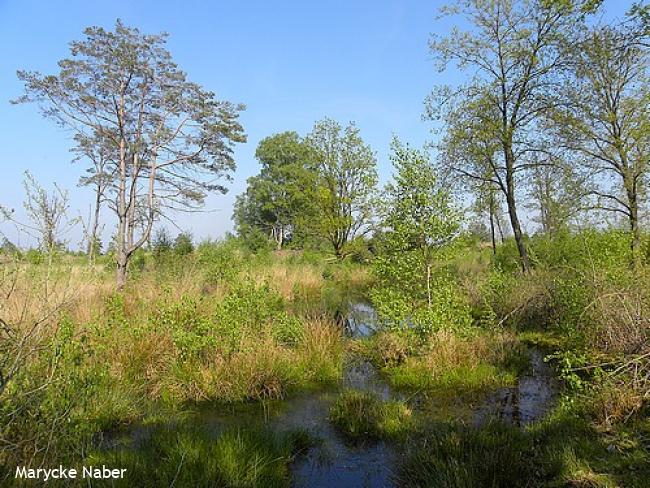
{"type": "Point", "coordinates": [290, 62]}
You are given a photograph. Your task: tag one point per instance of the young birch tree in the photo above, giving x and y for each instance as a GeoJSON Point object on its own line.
{"type": "Point", "coordinates": [419, 219]}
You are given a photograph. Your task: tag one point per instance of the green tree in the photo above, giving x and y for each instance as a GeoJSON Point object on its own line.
{"type": "Point", "coordinates": [169, 140]}
{"type": "Point", "coordinates": [279, 200]}
{"type": "Point", "coordinates": [555, 195]}
{"type": "Point", "coordinates": [162, 242]}
{"type": "Point", "coordinates": [514, 54]}
{"type": "Point", "coordinates": [605, 120]}
{"type": "Point", "coordinates": [183, 244]}
{"type": "Point", "coordinates": [419, 219]}
{"type": "Point", "coordinates": [346, 182]}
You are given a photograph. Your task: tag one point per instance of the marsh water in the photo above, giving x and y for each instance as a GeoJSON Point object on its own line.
{"type": "Point", "coordinates": [336, 462]}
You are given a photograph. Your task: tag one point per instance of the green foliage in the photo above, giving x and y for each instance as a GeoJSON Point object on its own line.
{"type": "Point", "coordinates": [419, 222]}
{"type": "Point", "coordinates": [183, 244]}
{"type": "Point", "coordinates": [138, 261]}
{"type": "Point", "coordinates": [34, 256]}
{"type": "Point", "coordinates": [346, 177]}
{"type": "Point", "coordinates": [191, 331]}
{"type": "Point", "coordinates": [249, 308]}
{"type": "Point", "coordinates": [161, 243]}
{"type": "Point", "coordinates": [448, 310]}
{"type": "Point", "coordinates": [278, 201]}
{"type": "Point", "coordinates": [357, 251]}
{"type": "Point", "coordinates": [222, 261]}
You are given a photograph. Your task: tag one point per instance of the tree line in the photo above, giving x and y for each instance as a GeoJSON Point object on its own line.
{"type": "Point", "coordinates": [552, 115]}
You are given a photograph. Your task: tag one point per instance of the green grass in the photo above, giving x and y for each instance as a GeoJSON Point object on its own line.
{"type": "Point", "coordinates": [451, 456]}
{"type": "Point", "coordinates": [562, 450]}
{"type": "Point", "coordinates": [462, 380]}
{"type": "Point", "coordinates": [363, 416]}
{"type": "Point", "coordinates": [236, 458]}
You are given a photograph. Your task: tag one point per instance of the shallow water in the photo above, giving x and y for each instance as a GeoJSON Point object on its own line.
{"type": "Point", "coordinates": [333, 462]}
{"type": "Point", "coordinates": [361, 320]}
{"type": "Point", "coordinates": [526, 402]}
{"type": "Point", "coordinates": [336, 462]}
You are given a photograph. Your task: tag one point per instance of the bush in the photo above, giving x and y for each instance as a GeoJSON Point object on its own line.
{"type": "Point", "coordinates": [222, 261]}
{"type": "Point", "coordinates": [398, 310]}
{"type": "Point", "coordinates": [183, 244]}
{"type": "Point", "coordinates": [34, 256]}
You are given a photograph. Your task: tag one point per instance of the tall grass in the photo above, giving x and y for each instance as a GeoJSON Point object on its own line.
{"type": "Point", "coordinates": [448, 363]}
{"type": "Point", "coordinates": [189, 457]}
{"type": "Point", "coordinates": [88, 359]}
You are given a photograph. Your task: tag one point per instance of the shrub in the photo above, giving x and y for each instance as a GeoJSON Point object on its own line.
{"type": "Point", "coordinates": [190, 330]}
{"type": "Point", "coordinates": [183, 244]}
{"type": "Point", "coordinates": [221, 261]}
{"type": "Point", "coordinates": [448, 309]}
{"type": "Point", "coordinates": [34, 256]}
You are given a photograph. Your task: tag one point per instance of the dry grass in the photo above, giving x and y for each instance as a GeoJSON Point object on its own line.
{"type": "Point", "coordinates": [260, 369]}
{"type": "Point", "coordinates": [447, 350]}
{"type": "Point", "coordinates": [452, 364]}
{"type": "Point", "coordinates": [287, 278]}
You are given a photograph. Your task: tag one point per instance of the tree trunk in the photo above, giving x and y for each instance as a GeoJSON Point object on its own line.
{"type": "Point", "coordinates": [498, 222]}
{"type": "Point", "coordinates": [94, 227]}
{"type": "Point", "coordinates": [519, 237]}
{"type": "Point", "coordinates": [512, 208]}
{"type": "Point", "coordinates": [635, 241]}
{"type": "Point", "coordinates": [280, 238]}
{"type": "Point", "coordinates": [122, 270]}
{"type": "Point", "coordinates": [492, 233]}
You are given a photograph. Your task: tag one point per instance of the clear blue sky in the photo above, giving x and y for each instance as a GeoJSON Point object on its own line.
{"type": "Point", "coordinates": [290, 62]}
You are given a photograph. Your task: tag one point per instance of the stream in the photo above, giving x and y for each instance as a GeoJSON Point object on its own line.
{"type": "Point", "coordinates": [336, 462]}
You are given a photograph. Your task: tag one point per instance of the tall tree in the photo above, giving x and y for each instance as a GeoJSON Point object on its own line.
{"type": "Point", "coordinates": [469, 149]}
{"type": "Point", "coordinates": [170, 140]}
{"type": "Point", "coordinates": [555, 196]}
{"type": "Point", "coordinates": [346, 182]}
{"type": "Point", "coordinates": [280, 198]}
{"type": "Point", "coordinates": [605, 120]}
{"type": "Point", "coordinates": [514, 53]}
